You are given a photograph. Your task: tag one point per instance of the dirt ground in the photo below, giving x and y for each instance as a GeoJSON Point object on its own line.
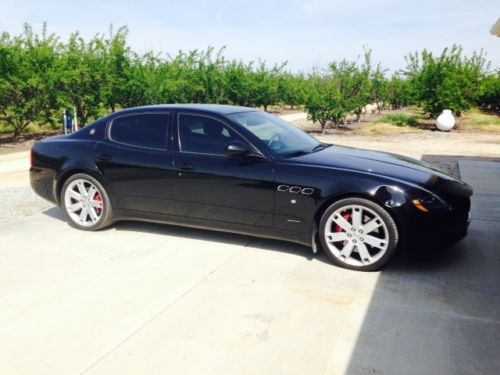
{"type": "Point", "coordinates": [429, 143]}
{"type": "Point", "coordinates": [9, 144]}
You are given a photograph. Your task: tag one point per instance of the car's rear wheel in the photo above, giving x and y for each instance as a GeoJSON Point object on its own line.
{"type": "Point", "coordinates": [358, 234]}
{"type": "Point", "coordinates": [85, 202]}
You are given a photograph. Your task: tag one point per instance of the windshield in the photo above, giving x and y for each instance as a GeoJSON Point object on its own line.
{"type": "Point", "coordinates": [280, 136]}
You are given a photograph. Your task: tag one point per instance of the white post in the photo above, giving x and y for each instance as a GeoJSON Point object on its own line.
{"type": "Point", "coordinates": [64, 122]}
{"type": "Point", "coordinates": [75, 120]}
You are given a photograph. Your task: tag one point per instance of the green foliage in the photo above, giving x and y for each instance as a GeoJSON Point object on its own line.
{"type": "Point", "coordinates": [320, 102]}
{"type": "Point", "coordinates": [489, 92]}
{"type": "Point", "coordinates": [399, 119]}
{"type": "Point", "coordinates": [81, 76]}
{"type": "Point", "coordinates": [398, 92]}
{"type": "Point", "coordinates": [40, 76]}
{"type": "Point", "coordinates": [344, 88]}
{"type": "Point", "coordinates": [378, 87]}
{"type": "Point", "coordinates": [292, 89]}
{"type": "Point", "coordinates": [116, 68]}
{"type": "Point", "coordinates": [26, 70]}
{"type": "Point", "coordinates": [447, 81]}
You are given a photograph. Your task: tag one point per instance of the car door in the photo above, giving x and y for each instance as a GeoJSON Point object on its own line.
{"type": "Point", "coordinates": [136, 161]}
{"type": "Point", "coordinates": [213, 186]}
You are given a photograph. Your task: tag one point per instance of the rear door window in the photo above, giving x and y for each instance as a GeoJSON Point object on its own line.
{"type": "Point", "coordinates": [141, 130]}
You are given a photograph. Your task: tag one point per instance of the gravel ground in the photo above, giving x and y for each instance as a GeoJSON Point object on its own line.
{"type": "Point", "coordinates": [19, 202]}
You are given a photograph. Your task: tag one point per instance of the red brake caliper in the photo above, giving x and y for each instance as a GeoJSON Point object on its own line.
{"type": "Point", "coordinates": [98, 198]}
{"type": "Point", "coordinates": [346, 217]}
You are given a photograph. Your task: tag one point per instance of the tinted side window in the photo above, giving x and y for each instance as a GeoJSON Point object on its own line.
{"type": "Point", "coordinates": [204, 135]}
{"type": "Point", "coordinates": [143, 130]}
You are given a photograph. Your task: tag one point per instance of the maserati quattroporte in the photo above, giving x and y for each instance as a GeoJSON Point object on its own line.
{"type": "Point", "coordinates": [243, 170]}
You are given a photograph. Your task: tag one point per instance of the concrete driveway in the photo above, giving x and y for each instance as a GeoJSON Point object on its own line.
{"type": "Point", "coordinates": [144, 298]}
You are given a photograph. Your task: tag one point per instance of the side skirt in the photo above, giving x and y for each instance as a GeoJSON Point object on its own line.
{"type": "Point", "coordinates": [220, 226]}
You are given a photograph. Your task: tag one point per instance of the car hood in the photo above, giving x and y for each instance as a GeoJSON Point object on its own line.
{"type": "Point", "coordinates": [387, 164]}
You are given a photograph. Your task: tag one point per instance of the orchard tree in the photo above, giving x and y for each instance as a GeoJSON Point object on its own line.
{"type": "Point", "coordinates": [266, 84]}
{"type": "Point", "coordinates": [399, 92]}
{"type": "Point", "coordinates": [26, 70]}
{"type": "Point", "coordinates": [238, 83]}
{"type": "Point", "coordinates": [116, 65]}
{"type": "Point", "coordinates": [292, 89]}
{"type": "Point", "coordinates": [350, 88]}
{"type": "Point", "coordinates": [339, 91]}
{"type": "Point", "coordinates": [319, 100]}
{"type": "Point", "coordinates": [81, 76]}
{"type": "Point", "coordinates": [210, 69]}
{"type": "Point", "coordinates": [448, 81]}
{"type": "Point", "coordinates": [363, 91]}
{"type": "Point", "coordinates": [144, 82]}
{"type": "Point", "coordinates": [378, 87]}
{"type": "Point", "coordinates": [489, 92]}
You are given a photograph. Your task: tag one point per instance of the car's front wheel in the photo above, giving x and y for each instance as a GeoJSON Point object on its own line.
{"type": "Point", "coordinates": [358, 234]}
{"type": "Point", "coordinates": [85, 202]}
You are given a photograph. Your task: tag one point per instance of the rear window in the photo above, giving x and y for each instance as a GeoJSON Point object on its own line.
{"type": "Point", "coordinates": [141, 130]}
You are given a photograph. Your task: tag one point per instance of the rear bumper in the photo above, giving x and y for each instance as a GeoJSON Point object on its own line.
{"type": "Point", "coordinates": [43, 183]}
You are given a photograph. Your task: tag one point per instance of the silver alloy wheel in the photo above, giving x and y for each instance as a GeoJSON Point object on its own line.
{"type": "Point", "coordinates": [83, 202]}
{"type": "Point", "coordinates": [356, 235]}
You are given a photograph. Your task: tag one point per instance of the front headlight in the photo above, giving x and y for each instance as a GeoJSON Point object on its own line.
{"type": "Point", "coordinates": [431, 202]}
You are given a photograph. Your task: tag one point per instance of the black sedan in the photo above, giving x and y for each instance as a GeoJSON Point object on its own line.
{"type": "Point", "coordinates": [242, 170]}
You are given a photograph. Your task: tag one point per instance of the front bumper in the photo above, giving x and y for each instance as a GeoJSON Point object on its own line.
{"type": "Point", "coordinates": [435, 231]}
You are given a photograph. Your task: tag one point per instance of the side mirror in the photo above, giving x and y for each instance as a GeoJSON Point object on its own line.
{"type": "Point", "coordinates": [235, 148]}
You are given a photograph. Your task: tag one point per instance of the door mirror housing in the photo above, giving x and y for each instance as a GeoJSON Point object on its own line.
{"type": "Point", "coordinates": [236, 148]}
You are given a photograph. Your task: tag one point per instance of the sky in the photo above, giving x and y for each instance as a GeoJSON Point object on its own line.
{"type": "Point", "coordinates": [304, 33]}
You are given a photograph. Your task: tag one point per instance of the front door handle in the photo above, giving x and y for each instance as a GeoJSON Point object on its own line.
{"type": "Point", "coordinates": [187, 166]}
{"type": "Point", "coordinates": [104, 157]}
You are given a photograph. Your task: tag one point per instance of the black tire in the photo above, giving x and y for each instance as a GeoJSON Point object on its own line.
{"type": "Point", "coordinates": [392, 231]}
{"type": "Point", "coordinates": [106, 217]}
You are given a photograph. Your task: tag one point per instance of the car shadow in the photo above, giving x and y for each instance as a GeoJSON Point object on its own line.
{"type": "Point", "coordinates": [170, 230]}
{"type": "Point", "coordinates": [418, 260]}
{"type": "Point", "coordinates": [426, 259]}
{"type": "Point", "coordinates": [438, 311]}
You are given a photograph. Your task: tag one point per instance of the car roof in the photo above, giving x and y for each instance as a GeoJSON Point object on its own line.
{"type": "Point", "coordinates": [219, 109]}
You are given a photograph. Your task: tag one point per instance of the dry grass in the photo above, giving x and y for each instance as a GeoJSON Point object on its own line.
{"type": "Point", "coordinates": [384, 124]}
{"type": "Point", "coordinates": [481, 120]}
{"type": "Point", "coordinates": [384, 129]}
